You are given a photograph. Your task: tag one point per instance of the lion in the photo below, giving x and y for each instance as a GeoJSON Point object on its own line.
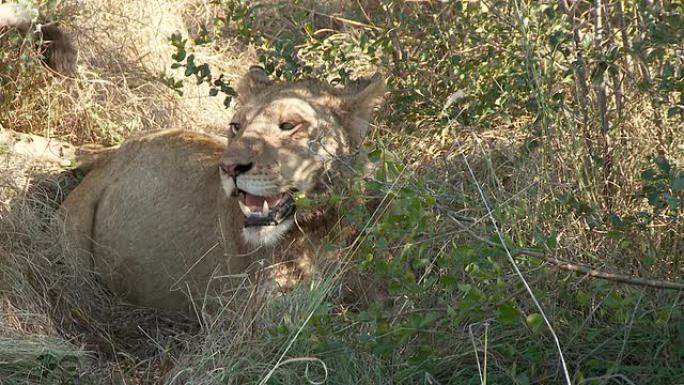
{"type": "Point", "coordinates": [173, 218]}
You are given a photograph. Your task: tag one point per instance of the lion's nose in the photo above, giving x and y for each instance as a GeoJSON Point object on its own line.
{"type": "Point", "coordinates": [235, 169]}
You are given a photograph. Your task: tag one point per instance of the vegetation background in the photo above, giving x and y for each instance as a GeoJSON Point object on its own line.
{"type": "Point", "coordinates": [528, 168]}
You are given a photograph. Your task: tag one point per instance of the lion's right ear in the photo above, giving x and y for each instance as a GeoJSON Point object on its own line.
{"type": "Point", "coordinates": [254, 81]}
{"type": "Point", "coordinates": [358, 103]}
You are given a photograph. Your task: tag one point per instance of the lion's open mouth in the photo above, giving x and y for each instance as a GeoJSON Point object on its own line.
{"type": "Point", "coordinates": [265, 211]}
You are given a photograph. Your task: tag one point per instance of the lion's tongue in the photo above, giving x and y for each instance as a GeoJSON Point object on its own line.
{"type": "Point", "coordinates": [256, 203]}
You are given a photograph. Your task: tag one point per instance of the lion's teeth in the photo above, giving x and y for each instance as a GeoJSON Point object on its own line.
{"type": "Point", "coordinates": [265, 209]}
{"type": "Point", "coordinates": [244, 208]}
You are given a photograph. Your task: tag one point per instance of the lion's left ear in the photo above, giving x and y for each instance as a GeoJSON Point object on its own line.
{"type": "Point", "coordinates": [252, 83]}
{"type": "Point", "coordinates": [358, 101]}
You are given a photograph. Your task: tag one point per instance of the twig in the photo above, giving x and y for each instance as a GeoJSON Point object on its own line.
{"type": "Point", "coordinates": [602, 105]}
{"type": "Point", "coordinates": [578, 268]}
{"type": "Point", "coordinates": [582, 88]}
{"type": "Point", "coordinates": [615, 74]}
{"type": "Point", "coordinates": [628, 330]}
{"type": "Point", "coordinates": [341, 19]}
{"type": "Point", "coordinates": [622, 377]}
{"type": "Point", "coordinates": [482, 369]}
{"type": "Point", "coordinates": [612, 276]}
{"type": "Point", "coordinates": [626, 43]}
{"type": "Point", "coordinates": [639, 56]}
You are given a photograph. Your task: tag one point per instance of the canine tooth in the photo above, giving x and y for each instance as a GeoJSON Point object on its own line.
{"type": "Point", "coordinates": [244, 208]}
{"type": "Point", "coordinates": [265, 210]}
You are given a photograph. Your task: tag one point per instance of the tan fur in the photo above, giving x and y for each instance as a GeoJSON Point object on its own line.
{"type": "Point", "coordinates": [156, 220]}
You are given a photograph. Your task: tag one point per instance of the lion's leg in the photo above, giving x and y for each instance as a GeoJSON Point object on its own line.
{"type": "Point", "coordinates": [78, 212]}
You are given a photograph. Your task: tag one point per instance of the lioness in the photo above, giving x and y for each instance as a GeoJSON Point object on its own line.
{"type": "Point", "coordinates": [172, 216]}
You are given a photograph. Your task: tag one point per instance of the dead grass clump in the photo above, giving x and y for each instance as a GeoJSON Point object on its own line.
{"type": "Point", "coordinates": [123, 50]}
{"type": "Point", "coordinates": [61, 320]}
{"type": "Point", "coordinates": [116, 90]}
{"type": "Point", "coordinates": [31, 345]}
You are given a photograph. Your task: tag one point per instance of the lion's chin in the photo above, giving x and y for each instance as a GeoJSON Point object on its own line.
{"type": "Point", "coordinates": [267, 235]}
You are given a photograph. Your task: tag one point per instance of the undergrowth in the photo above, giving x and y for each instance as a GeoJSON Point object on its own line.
{"type": "Point", "coordinates": [527, 185]}
{"type": "Point", "coordinates": [565, 121]}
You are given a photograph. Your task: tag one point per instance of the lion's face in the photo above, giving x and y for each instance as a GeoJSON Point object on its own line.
{"type": "Point", "coordinates": [286, 139]}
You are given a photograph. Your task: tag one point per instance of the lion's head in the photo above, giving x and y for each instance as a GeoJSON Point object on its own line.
{"type": "Point", "coordinates": [290, 137]}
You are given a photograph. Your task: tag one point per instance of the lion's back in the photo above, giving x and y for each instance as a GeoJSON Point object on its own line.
{"type": "Point", "coordinates": [158, 210]}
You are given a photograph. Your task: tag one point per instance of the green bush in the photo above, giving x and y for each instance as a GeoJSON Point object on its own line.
{"type": "Point", "coordinates": [542, 113]}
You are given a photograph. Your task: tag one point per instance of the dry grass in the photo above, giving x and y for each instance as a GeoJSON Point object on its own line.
{"type": "Point", "coordinates": [123, 51]}
{"type": "Point", "coordinates": [49, 307]}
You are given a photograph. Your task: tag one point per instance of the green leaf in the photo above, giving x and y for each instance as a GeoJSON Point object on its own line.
{"type": "Point", "coordinates": [523, 379]}
{"type": "Point", "coordinates": [507, 314]}
{"type": "Point", "coordinates": [663, 165]}
{"type": "Point", "coordinates": [648, 175]}
{"type": "Point", "coordinates": [582, 298]}
{"type": "Point", "coordinates": [309, 29]}
{"type": "Point", "coordinates": [613, 300]}
{"type": "Point", "coordinates": [179, 56]}
{"type": "Point", "coordinates": [552, 241]}
{"type": "Point", "coordinates": [673, 111]}
{"type": "Point", "coordinates": [449, 282]}
{"type": "Point", "coordinates": [674, 203]}
{"type": "Point", "coordinates": [536, 322]}
{"type": "Point", "coordinates": [374, 185]}
{"type": "Point", "coordinates": [427, 319]}
{"type": "Point", "coordinates": [204, 71]}
{"type": "Point", "coordinates": [464, 287]}
{"type": "Point", "coordinates": [374, 155]}
{"type": "Point", "coordinates": [430, 200]}
{"type": "Point", "coordinates": [678, 183]}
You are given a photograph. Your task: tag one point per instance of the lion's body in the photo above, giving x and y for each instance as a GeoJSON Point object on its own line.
{"type": "Point", "coordinates": [157, 206]}
{"type": "Point", "coordinates": [172, 218]}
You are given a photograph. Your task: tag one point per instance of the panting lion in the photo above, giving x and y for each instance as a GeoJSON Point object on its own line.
{"type": "Point", "coordinates": [173, 217]}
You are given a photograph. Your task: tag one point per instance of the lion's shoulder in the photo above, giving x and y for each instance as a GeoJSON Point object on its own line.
{"type": "Point", "coordinates": [178, 137]}
{"type": "Point", "coordinates": [174, 144]}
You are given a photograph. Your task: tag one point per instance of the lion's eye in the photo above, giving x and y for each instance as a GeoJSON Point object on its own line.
{"type": "Point", "coordinates": [234, 128]}
{"type": "Point", "coordinates": [287, 126]}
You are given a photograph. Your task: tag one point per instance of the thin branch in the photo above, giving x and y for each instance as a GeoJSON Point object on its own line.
{"type": "Point", "coordinates": [602, 102]}
{"type": "Point", "coordinates": [626, 43]}
{"type": "Point", "coordinates": [341, 19]}
{"type": "Point", "coordinates": [581, 87]}
{"type": "Point", "coordinates": [586, 270]}
{"type": "Point", "coordinates": [640, 57]}
{"type": "Point", "coordinates": [578, 268]}
{"type": "Point", "coordinates": [614, 72]}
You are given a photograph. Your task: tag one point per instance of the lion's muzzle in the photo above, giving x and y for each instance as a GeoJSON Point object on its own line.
{"type": "Point", "coordinates": [265, 211]}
